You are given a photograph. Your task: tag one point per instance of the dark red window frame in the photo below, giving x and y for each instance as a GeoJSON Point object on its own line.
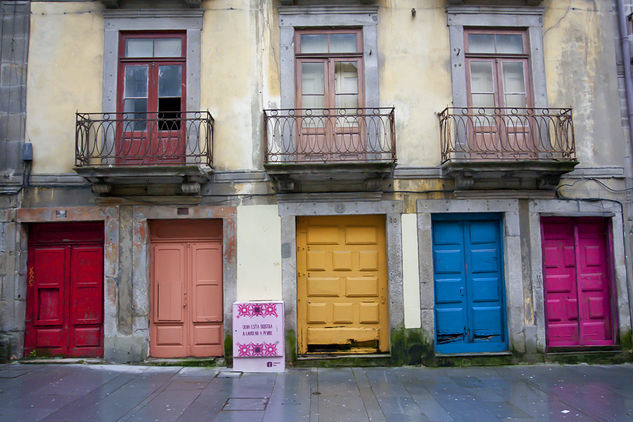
{"type": "Point", "coordinates": [497, 60]}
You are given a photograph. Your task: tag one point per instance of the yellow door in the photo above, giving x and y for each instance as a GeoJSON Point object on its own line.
{"type": "Point", "coordinates": [342, 284]}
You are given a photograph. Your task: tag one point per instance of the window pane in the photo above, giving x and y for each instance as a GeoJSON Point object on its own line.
{"type": "Point", "coordinates": [314, 43]}
{"type": "Point", "coordinates": [510, 44]}
{"type": "Point", "coordinates": [347, 101]}
{"type": "Point", "coordinates": [513, 80]}
{"type": "Point", "coordinates": [135, 81]}
{"type": "Point", "coordinates": [169, 113]}
{"type": "Point", "coordinates": [312, 78]}
{"type": "Point", "coordinates": [515, 100]}
{"type": "Point", "coordinates": [483, 100]}
{"type": "Point", "coordinates": [481, 43]}
{"type": "Point", "coordinates": [138, 48]}
{"type": "Point", "coordinates": [135, 110]}
{"type": "Point", "coordinates": [345, 78]}
{"type": "Point", "coordinates": [312, 101]}
{"type": "Point", "coordinates": [167, 47]}
{"type": "Point", "coordinates": [481, 77]}
{"type": "Point", "coordinates": [169, 80]}
{"type": "Point", "coordinates": [343, 43]}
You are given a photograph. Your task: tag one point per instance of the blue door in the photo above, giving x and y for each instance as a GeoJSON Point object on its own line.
{"type": "Point", "coordinates": [469, 293]}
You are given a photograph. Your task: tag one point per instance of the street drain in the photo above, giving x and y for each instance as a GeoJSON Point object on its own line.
{"type": "Point", "coordinates": [245, 403]}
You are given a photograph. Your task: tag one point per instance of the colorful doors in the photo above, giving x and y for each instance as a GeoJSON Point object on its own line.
{"type": "Point", "coordinates": [64, 314]}
{"type": "Point", "coordinates": [342, 284]}
{"type": "Point", "coordinates": [469, 292]}
{"type": "Point", "coordinates": [578, 308]}
{"type": "Point", "coordinates": [186, 278]}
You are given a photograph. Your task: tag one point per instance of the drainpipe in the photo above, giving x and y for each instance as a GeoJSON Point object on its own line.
{"type": "Point", "coordinates": [628, 87]}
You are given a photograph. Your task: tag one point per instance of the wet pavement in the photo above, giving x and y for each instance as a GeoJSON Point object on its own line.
{"type": "Point", "coordinates": [51, 392]}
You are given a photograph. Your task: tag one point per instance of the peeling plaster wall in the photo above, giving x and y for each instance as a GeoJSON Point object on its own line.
{"type": "Point", "coordinates": [231, 80]}
{"type": "Point", "coordinates": [580, 62]}
{"type": "Point", "coordinates": [414, 74]}
{"type": "Point", "coordinates": [65, 75]}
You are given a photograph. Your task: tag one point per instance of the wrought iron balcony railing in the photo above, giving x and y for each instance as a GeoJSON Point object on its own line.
{"type": "Point", "coordinates": [143, 139]}
{"type": "Point", "coordinates": [330, 135]}
{"type": "Point", "coordinates": [507, 134]}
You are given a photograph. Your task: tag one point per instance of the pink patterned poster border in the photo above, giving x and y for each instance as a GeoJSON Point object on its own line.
{"type": "Point", "coordinates": [253, 310]}
{"type": "Point", "coordinates": [254, 350]}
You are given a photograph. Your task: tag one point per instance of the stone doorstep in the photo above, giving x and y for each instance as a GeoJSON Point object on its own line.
{"type": "Point", "coordinates": [472, 355]}
{"type": "Point", "coordinates": [326, 356]}
{"type": "Point", "coordinates": [216, 362]}
{"type": "Point", "coordinates": [91, 361]}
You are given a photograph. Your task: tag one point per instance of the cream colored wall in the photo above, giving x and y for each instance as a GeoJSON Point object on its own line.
{"type": "Point", "coordinates": [240, 76]}
{"type": "Point", "coordinates": [65, 75]}
{"type": "Point", "coordinates": [410, 272]}
{"type": "Point", "coordinates": [579, 42]}
{"type": "Point", "coordinates": [414, 60]}
{"type": "Point", "coordinates": [231, 80]}
{"type": "Point", "coordinates": [258, 253]}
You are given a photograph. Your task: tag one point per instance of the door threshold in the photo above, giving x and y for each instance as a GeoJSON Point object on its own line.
{"type": "Point", "coordinates": [472, 354]}
{"type": "Point", "coordinates": [188, 361]}
{"type": "Point", "coordinates": [330, 356]}
{"type": "Point", "coordinates": [66, 361]}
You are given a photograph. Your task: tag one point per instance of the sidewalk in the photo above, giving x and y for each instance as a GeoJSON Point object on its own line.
{"type": "Point", "coordinates": [33, 392]}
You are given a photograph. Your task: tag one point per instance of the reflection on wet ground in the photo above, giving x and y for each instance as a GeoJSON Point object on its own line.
{"type": "Point", "coordinates": [141, 393]}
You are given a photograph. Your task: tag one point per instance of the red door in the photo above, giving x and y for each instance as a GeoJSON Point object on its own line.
{"type": "Point", "coordinates": [577, 286]}
{"type": "Point", "coordinates": [64, 314]}
{"type": "Point", "coordinates": [187, 313]}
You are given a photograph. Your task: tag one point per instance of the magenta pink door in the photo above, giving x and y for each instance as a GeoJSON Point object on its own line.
{"type": "Point", "coordinates": [577, 282]}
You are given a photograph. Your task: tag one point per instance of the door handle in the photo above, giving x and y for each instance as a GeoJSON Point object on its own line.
{"type": "Point", "coordinates": [461, 291]}
{"type": "Point", "coordinates": [184, 304]}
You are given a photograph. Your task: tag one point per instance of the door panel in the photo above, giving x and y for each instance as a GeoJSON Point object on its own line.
{"type": "Point", "coordinates": [50, 273]}
{"type": "Point", "coordinates": [169, 277]}
{"type": "Point", "coordinates": [576, 282]}
{"type": "Point", "coordinates": [168, 335]}
{"type": "Point", "coordinates": [450, 282]}
{"type": "Point", "coordinates": [342, 284]}
{"type": "Point", "coordinates": [86, 296]}
{"type": "Point", "coordinates": [468, 274]}
{"type": "Point", "coordinates": [206, 287]}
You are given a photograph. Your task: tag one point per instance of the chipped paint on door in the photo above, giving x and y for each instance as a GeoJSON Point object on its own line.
{"type": "Point", "coordinates": [187, 305]}
{"type": "Point", "coordinates": [342, 284]}
{"type": "Point", "coordinates": [469, 294]}
{"type": "Point", "coordinates": [65, 290]}
{"type": "Point", "coordinates": [577, 282]}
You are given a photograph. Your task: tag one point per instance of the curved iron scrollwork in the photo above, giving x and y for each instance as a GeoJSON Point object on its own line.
{"type": "Point", "coordinates": [128, 139]}
{"type": "Point", "coordinates": [501, 134]}
{"type": "Point", "coordinates": [327, 135]}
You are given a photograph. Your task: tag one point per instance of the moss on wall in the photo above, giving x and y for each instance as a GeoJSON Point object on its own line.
{"type": "Point", "coordinates": [228, 349]}
{"type": "Point", "coordinates": [291, 346]}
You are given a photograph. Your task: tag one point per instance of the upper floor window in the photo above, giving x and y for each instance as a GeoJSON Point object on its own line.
{"type": "Point", "coordinates": [497, 68]}
{"type": "Point", "coordinates": [329, 68]}
{"type": "Point", "coordinates": [152, 79]}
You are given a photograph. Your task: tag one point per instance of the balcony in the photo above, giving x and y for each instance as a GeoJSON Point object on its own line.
{"type": "Point", "coordinates": [329, 149]}
{"type": "Point", "coordinates": [144, 153]}
{"type": "Point", "coordinates": [507, 148]}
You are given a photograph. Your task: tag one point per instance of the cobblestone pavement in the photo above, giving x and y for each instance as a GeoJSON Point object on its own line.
{"type": "Point", "coordinates": [52, 392]}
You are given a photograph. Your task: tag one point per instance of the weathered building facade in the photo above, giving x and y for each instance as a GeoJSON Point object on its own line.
{"type": "Point", "coordinates": [416, 178]}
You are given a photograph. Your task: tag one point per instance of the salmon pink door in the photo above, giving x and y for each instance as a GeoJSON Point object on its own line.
{"type": "Point", "coordinates": [64, 313]}
{"type": "Point", "coordinates": [577, 282]}
{"type": "Point", "coordinates": [187, 313]}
